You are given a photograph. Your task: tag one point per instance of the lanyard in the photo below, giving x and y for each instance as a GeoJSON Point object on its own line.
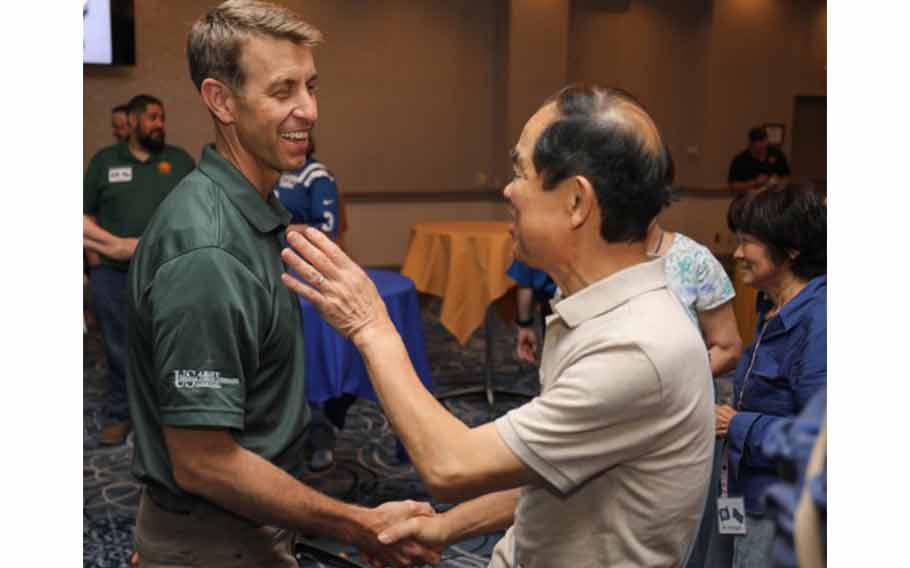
{"type": "Point", "coordinates": [742, 391]}
{"type": "Point", "coordinates": [724, 467]}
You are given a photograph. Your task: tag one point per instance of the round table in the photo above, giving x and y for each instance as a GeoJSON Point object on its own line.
{"type": "Point", "coordinates": [464, 263]}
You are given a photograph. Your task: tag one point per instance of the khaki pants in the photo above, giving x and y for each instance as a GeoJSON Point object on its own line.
{"type": "Point", "coordinates": [207, 536]}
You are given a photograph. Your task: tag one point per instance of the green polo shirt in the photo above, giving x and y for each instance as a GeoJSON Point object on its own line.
{"type": "Point", "coordinates": [123, 193]}
{"type": "Point", "coordinates": [215, 338]}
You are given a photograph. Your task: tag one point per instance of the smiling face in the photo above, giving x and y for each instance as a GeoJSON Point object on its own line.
{"type": "Point", "coordinates": [537, 215]}
{"type": "Point", "coordinates": [275, 109]}
{"type": "Point", "coordinates": [758, 269]}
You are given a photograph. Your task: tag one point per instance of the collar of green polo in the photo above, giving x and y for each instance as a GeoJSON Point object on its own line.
{"type": "Point", "coordinates": [266, 216]}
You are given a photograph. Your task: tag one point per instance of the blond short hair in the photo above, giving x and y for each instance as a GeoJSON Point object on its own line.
{"type": "Point", "coordinates": [216, 40]}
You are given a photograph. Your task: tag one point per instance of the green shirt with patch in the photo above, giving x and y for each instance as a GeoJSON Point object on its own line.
{"type": "Point", "coordinates": [123, 193]}
{"type": "Point", "coordinates": [215, 337]}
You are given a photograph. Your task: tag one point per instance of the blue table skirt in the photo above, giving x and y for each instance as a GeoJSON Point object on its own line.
{"type": "Point", "coordinates": [333, 364]}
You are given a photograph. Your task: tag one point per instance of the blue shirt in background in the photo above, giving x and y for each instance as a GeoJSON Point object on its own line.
{"type": "Point", "coordinates": [528, 277]}
{"type": "Point", "coordinates": [311, 196]}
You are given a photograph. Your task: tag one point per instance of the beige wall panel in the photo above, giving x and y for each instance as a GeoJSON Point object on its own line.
{"type": "Point", "coordinates": [657, 50]}
{"type": "Point", "coordinates": [702, 218]}
{"type": "Point", "coordinates": [379, 232]}
{"type": "Point", "coordinates": [538, 58]}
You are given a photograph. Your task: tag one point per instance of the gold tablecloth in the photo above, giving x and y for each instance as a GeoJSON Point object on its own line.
{"type": "Point", "coordinates": [464, 263]}
{"type": "Point", "coordinates": [744, 307]}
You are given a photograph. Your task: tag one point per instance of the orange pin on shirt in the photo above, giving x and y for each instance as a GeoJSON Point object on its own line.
{"type": "Point", "coordinates": [164, 167]}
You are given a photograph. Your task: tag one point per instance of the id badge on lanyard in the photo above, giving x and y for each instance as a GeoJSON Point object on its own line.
{"type": "Point", "coordinates": [731, 511]}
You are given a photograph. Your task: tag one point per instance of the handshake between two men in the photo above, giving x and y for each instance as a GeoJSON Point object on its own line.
{"type": "Point", "coordinates": [455, 462]}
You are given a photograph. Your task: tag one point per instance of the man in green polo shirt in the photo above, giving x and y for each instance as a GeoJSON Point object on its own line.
{"type": "Point", "coordinates": [216, 369]}
{"type": "Point", "coordinates": [122, 188]}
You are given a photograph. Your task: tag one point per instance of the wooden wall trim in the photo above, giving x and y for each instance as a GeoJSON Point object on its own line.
{"type": "Point", "coordinates": [495, 194]}
{"type": "Point", "coordinates": [484, 195]}
{"type": "Point", "coordinates": [480, 195]}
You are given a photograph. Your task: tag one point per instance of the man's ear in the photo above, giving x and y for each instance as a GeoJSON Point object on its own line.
{"type": "Point", "coordinates": [581, 201]}
{"type": "Point", "coordinates": [132, 118]}
{"type": "Point", "coordinates": [220, 100]}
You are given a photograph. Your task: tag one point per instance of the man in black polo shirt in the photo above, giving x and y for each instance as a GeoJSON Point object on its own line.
{"type": "Point", "coordinates": [122, 188]}
{"type": "Point", "coordinates": [760, 165]}
{"type": "Point", "coordinates": [216, 369]}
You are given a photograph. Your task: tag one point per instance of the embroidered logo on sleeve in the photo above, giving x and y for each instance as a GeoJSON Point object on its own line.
{"type": "Point", "coordinates": [193, 379]}
{"type": "Point", "coordinates": [122, 174]}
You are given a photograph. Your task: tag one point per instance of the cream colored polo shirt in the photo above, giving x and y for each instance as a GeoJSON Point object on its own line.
{"type": "Point", "coordinates": [623, 431]}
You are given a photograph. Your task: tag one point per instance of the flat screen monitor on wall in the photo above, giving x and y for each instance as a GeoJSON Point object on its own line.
{"type": "Point", "coordinates": [108, 32]}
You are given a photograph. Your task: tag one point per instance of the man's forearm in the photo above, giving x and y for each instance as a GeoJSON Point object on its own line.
{"type": "Point", "coordinates": [454, 461]}
{"type": "Point", "coordinates": [483, 515]}
{"type": "Point", "coordinates": [95, 232]}
{"type": "Point", "coordinates": [424, 426]}
{"type": "Point", "coordinates": [242, 482]}
{"type": "Point", "coordinates": [100, 241]}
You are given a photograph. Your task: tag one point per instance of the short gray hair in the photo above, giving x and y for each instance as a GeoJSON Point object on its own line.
{"type": "Point", "coordinates": [215, 41]}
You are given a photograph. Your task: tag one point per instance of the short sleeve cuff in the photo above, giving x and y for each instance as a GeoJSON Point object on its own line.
{"type": "Point", "coordinates": [202, 418]}
{"type": "Point", "coordinates": [716, 303]}
{"type": "Point", "coordinates": [529, 457]}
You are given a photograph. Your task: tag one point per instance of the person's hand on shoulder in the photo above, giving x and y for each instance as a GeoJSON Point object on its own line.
{"type": "Point", "coordinates": [340, 289]}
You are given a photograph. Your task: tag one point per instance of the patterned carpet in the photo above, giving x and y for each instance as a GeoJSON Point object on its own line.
{"type": "Point", "coordinates": [366, 469]}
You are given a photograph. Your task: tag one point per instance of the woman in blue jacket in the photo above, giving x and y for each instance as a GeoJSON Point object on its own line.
{"type": "Point", "coordinates": [783, 254]}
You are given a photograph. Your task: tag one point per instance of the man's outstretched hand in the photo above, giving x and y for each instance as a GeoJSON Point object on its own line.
{"type": "Point", "coordinates": [428, 531]}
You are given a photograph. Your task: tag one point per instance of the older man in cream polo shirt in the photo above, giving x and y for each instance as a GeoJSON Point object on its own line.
{"type": "Point", "coordinates": [609, 466]}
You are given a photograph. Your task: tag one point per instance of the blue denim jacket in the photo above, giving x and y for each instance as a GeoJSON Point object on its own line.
{"type": "Point", "coordinates": [791, 365]}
